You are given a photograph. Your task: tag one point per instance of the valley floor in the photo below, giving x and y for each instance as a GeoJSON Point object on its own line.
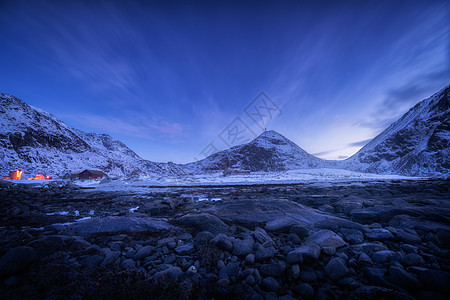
{"type": "Point", "coordinates": [227, 237]}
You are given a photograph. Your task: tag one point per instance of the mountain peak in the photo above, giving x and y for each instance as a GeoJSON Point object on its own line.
{"type": "Point", "coordinates": [270, 151]}
{"type": "Point", "coordinates": [271, 134]}
{"type": "Point", "coordinates": [272, 139]}
{"type": "Point", "coordinates": [7, 100]}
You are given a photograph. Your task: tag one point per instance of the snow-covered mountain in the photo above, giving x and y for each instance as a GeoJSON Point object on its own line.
{"type": "Point", "coordinates": [417, 144]}
{"type": "Point", "coordinates": [270, 152]}
{"type": "Point", "coordinates": [36, 142]}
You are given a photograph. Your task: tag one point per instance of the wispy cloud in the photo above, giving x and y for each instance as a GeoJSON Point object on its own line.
{"type": "Point", "coordinates": [137, 126]}
{"type": "Point", "coordinates": [399, 99]}
{"type": "Point", "coordinates": [360, 143]}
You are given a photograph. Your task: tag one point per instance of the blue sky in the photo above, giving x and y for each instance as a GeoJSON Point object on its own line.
{"type": "Point", "coordinates": [170, 79]}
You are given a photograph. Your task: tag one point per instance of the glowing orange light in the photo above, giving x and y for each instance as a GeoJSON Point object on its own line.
{"type": "Point", "coordinates": [15, 174]}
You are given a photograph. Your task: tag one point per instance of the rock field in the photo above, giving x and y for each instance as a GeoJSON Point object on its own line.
{"type": "Point", "coordinates": [354, 240]}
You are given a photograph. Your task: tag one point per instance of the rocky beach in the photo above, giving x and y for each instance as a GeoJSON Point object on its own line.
{"type": "Point", "coordinates": [356, 240]}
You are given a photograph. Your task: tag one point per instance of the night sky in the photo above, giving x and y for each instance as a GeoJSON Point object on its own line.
{"type": "Point", "coordinates": [171, 79]}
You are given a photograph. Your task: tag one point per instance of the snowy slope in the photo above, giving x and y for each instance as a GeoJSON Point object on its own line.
{"type": "Point", "coordinates": [35, 141]}
{"type": "Point", "coordinates": [416, 144]}
{"type": "Point", "coordinates": [268, 152]}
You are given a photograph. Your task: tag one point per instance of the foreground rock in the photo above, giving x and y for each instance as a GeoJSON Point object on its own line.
{"type": "Point", "coordinates": [204, 222]}
{"type": "Point", "coordinates": [16, 260]}
{"type": "Point", "coordinates": [255, 243]}
{"type": "Point", "coordinates": [117, 224]}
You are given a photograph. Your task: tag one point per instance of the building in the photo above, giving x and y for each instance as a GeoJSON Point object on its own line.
{"type": "Point", "coordinates": [91, 174]}
{"type": "Point", "coordinates": [15, 174]}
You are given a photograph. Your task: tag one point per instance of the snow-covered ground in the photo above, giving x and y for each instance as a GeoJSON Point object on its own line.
{"type": "Point", "coordinates": [143, 184]}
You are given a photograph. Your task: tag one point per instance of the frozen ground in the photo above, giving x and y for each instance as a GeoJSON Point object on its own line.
{"type": "Point", "coordinates": [320, 176]}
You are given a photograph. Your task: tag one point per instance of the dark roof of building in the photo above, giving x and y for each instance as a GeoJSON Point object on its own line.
{"type": "Point", "coordinates": [94, 172]}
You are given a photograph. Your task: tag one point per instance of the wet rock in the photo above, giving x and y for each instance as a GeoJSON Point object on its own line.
{"type": "Point", "coordinates": [294, 257]}
{"type": "Point", "coordinates": [295, 271]}
{"type": "Point", "coordinates": [352, 236]}
{"type": "Point", "coordinates": [184, 237]}
{"type": "Point", "coordinates": [405, 280]}
{"type": "Point", "coordinates": [308, 275]}
{"type": "Point", "coordinates": [436, 280]}
{"type": "Point", "coordinates": [244, 274]}
{"type": "Point", "coordinates": [367, 248]}
{"type": "Point", "coordinates": [220, 264]}
{"type": "Point", "coordinates": [282, 224]}
{"type": "Point", "coordinates": [231, 269]}
{"type": "Point", "coordinates": [278, 215]}
{"type": "Point", "coordinates": [250, 259]}
{"type": "Point", "coordinates": [301, 231]}
{"type": "Point", "coordinates": [408, 237]}
{"type": "Point", "coordinates": [376, 276]}
{"type": "Point", "coordinates": [443, 238]}
{"type": "Point", "coordinates": [379, 234]}
{"type": "Point", "coordinates": [304, 290]}
{"type": "Point", "coordinates": [269, 284]}
{"type": "Point", "coordinates": [128, 264]}
{"type": "Point", "coordinates": [48, 245]}
{"type": "Point", "coordinates": [382, 256]}
{"type": "Point", "coordinates": [203, 238]}
{"type": "Point", "coordinates": [413, 259]}
{"type": "Point", "coordinates": [185, 249]}
{"type": "Point", "coordinates": [94, 261]}
{"type": "Point", "coordinates": [144, 252]}
{"type": "Point", "coordinates": [116, 224]}
{"type": "Point", "coordinates": [378, 213]}
{"type": "Point", "coordinates": [171, 272]}
{"type": "Point", "coordinates": [222, 242]}
{"type": "Point", "coordinates": [398, 221]}
{"type": "Point", "coordinates": [205, 222]}
{"type": "Point", "coordinates": [169, 242]}
{"type": "Point", "coordinates": [273, 270]}
{"type": "Point", "coordinates": [115, 246]}
{"type": "Point", "coordinates": [110, 258]}
{"type": "Point", "coordinates": [16, 260]}
{"type": "Point", "coordinates": [250, 280]}
{"type": "Point", "coordinates": [170, 259]}
{"type": "Point", "coordinates": [261, 235]}
{"type": "Point", "coordinates": [377, 292]}
{"type": "Point", "coordinates": [293, 238]}
{"type": "Point", "coordinates": [409, 248]}
{"type": "Point", "coordinates": [243, 247]}
{"type": "Point", "coordinates": [155, 209]}
{"type": "Point", "coordinates": [309, 252]}
{"type": "Point", "coordinates": [12, 281]}
{"type": "Point", "coordinates": [336, 224]}
{"type": "Point", "coordinates": [20, 210]}
{"type": "Point", "coordinates": [364, 258]}
{"type": "Point", "coordinates": [325, 238]}
{"type": "Point", "coordinates": [264, 253]}
{"type": "Point", "coordinates": [326, 208]}
{"type": "Point", "coordinates": [336, 268]}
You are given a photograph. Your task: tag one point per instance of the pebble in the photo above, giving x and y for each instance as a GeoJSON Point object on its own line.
{"type": "Point", "coordinates": [336, 268]}
{"type": "Point", "coordinates": [269, 284]}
